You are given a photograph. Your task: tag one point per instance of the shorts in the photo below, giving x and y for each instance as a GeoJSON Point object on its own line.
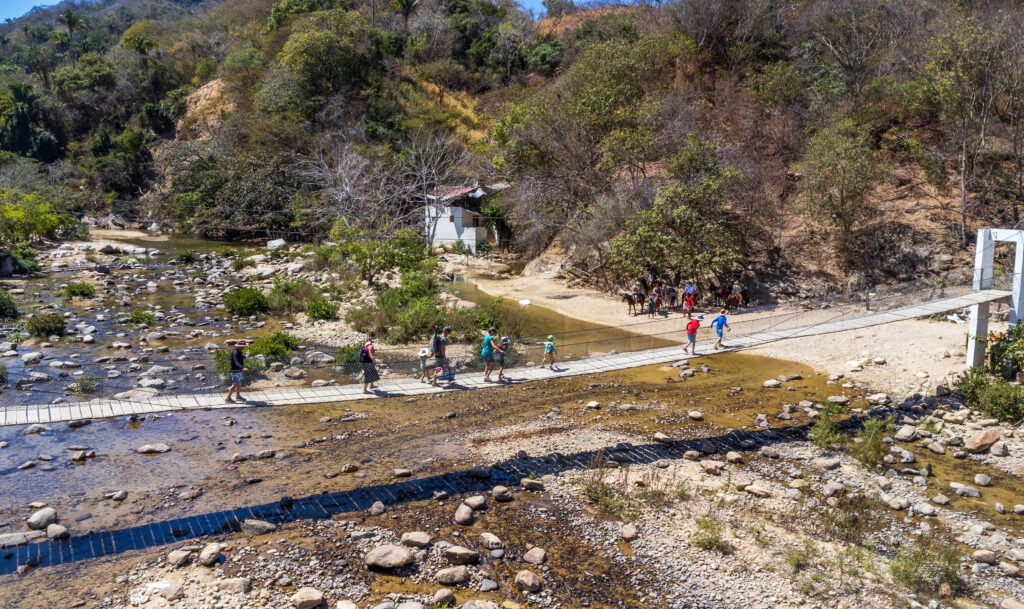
{"type": "Point", "coordinates": [500, 358]}
{"type": "Point", "coordinates": [423, 363]}
{"type": "Point", "coordinates": [719, 331]}
{"type": "Point", "coordinates": [692, 337]}
{"type": "Point", "coordinates": [489, 358]}
{"type": "Point", "coordinates": [236, 377]}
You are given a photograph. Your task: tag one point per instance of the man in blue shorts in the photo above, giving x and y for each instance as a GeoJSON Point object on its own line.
{"type": "Point", "coordinates": [719, 324]}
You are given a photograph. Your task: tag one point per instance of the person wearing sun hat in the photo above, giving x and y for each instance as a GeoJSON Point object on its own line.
{"type": "Point", "coordinates": [549, 352]}
{"type": "Point", "coordinates": [237, 363]}
{"type": "Point", "coordinates": [424, 354]}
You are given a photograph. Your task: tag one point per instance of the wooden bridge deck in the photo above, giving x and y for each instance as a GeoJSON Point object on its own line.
{"type": "Point", "coordinates": [96, 409]}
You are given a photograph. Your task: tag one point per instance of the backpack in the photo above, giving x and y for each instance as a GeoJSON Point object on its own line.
{"type": "Point", "coordinates": [364, 355]}
{"type": "Point", "coordinates": [433, 344]}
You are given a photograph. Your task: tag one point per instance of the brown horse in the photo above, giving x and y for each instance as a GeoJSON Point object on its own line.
{"type": "Point", "coordinates": [722, 295]}
{"type": "Point", "coordinates": [635, 306]}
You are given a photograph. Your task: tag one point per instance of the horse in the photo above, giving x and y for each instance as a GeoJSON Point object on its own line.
{"type": "Point", "coordinates": [722, 295]}
{"type": "Point", "coordinates": [733, 300]}
{"type": "Point", "coordinates": [671, 294]}
{"type": "Point", "coordinates": [635, 306]}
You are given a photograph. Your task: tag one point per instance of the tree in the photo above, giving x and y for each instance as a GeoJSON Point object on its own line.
{"type": "Point", "coordinates": [19, 114]}
{"type": "Point", "coordinates": [687, 232]}
{"type": "Point", "coordinates": [142, 45]}
{"type": "Point", "coordinates": [73, 21]}
{"type": "Point", "coordinates": [405, 8]}
{"type": "Point", "coordinates": [427, 162]}
{"type": "Point", "coordinates": [963, 75]}
{"type": "Point", "coordinates": [839, 177]}
{"type": "Point", "coordinates": [1011, 110]}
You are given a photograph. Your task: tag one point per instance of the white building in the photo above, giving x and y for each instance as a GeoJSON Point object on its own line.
{"type": "Point", "coordinates": [452, 215]}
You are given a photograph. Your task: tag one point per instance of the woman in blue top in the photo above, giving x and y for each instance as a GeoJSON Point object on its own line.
{"type": "Point", "coordinates": [719, 324]}
{"type": "Point", "coordinates": [488, 353]}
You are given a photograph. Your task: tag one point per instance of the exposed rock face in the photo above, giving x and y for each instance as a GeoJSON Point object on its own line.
{"type": "Point", "coordinates": [204, 111]}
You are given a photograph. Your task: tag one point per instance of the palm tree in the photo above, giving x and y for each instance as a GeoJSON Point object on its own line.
{"type": "Point", "coordinates": [62, 41]}
{"type": "Point", "coordinates": [19, 107]}
{"type": "Point", "coordinates": [406, 9]}
{"type": "Point", "coordinates": [142, 45]}
{"type": "Point", "coordinates": [5, 40]}
{"type": "Point", "coordinates": [73, 20]}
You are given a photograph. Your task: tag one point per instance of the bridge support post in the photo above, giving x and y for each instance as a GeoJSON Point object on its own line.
{"type": "Point", "coordinates": [984, 258]}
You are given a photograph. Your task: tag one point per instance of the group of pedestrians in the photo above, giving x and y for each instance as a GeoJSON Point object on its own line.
{"type": "Point", "coordinates": [720, 325]}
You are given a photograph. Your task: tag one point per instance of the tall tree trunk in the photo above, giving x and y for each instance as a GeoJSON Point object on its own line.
{"type": "Point", "coordinates": [963, 192]}
{"type": "Point", "coordinates": [71, 47]}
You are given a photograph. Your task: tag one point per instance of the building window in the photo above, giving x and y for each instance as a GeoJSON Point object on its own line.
{"type": "Point", "coordinates": [451, 218]}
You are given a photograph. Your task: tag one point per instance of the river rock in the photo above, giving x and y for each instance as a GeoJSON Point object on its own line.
{"type": "Point", "coordinates": [34, 429]}
{"type": "Point", "coordinates": [528, 581]}
{"type": "Point", "coordinates": [982, 479]}
{"type": "Point", "coordinates": [153, 449]}
{"type": "Point", "coordinates": [33, 357]}
{"type": "Point", "coordinates": [210, 554]}
{"type": "Point", "coordinates": [11, 540]}
{"type": "Point", "coordinates": [42, 519]}
{"type": "Point", "coordinates": [237, 585]}
{"type": "Point", "coordinates": [458, 555]}
{"type": "Point", "coordinates": [980, 442]}
{"type": "Point", "coordinates": [531, 485]}
{"type": "Point", "coordinates": [294, 373]}
{"type": "Point", "coordinates": [490, 541]}
{"type": "Point", "coordinates": [464, 515]}
{"type": "Point", "coordinates": [307, 598]}
{"type": "Point", "coordinates": [452, 576]}
{"type": "Point", "coordinates": [178, 558]}
{"type": "Point", "coordinates": [416, 539]}
{"type": "Point", "coordinates": [535, 556]}
{"type": "Point", "coordinates": [907, 433]}
{"type": "Point", "coordinates": [985, 556]}
{"type": "Point", "coordinates": [999, 449]}
{"type": "Point", "coordinates": [56, 531]}
{"type": "Point", "coordinates": [772, 383]}
{"type": "Point", "coordinates": [275, 244]}
{"type": "Point", "coordinates": [388, 556]}
{"type": "Point", "coordinates": [257, 527]}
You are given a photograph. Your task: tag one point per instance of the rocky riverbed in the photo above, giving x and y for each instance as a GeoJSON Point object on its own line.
{"type": "Point", "coordinates": [623, 489]}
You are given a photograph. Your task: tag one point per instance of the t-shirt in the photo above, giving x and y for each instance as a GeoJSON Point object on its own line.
{"type": "Point", "coordinates": [549, 346]}
{"type": "Point", "coordinates": [719, 321]}
{"type": "Point", "coordinates": [488, 346]}
{"type": "Point", "coordinates": [237, 360]}
{"type": "Point", "coordinates": [691, 328]}
{"type": "Point", "coordinates": [690, 288]}
{"type": "Point", "coordinates": [689, 300]}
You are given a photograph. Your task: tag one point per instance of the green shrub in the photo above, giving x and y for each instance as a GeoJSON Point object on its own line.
{"type": "Point", "coordinates": [825, 431]}
{"type": "Point", "coordinates": [25, 258]}
{"type": "Point", "coordinates": [348, 358]}
{"type": "Point", "coordinates": [992, 395]}
{"type": "Point", "coordinates": [225, 252]}
{"type": "Point", "coordinates": [8, 308]}
{"type": "Point", "coordinates": [277, 347]}
{"type": "Point", "coordinates": [3, 373]}
{"type": "Point", "coordinates": [871, 450]}
{"type": "Point", "coordinates": [138, 316]}
{"type": "Point", "coordinates": [709, 537]}
{"type": "Point", "coordinates": [85, 384]}
{"type": "Point", "coordinates": [850, 519]}
{"type": "Point", "coordinates": [319, 308]}
{"type": "Point", "coordinates": [798, 558]}
{"type": "Point", "coordinates": [79, 290]}
{"type": "Point", "coordinates": [290, 296]}
{"type": "Point", "coordinates": [926, 564]}
{"type": "Point", "coordinates": [241, 263]}
{"type": "Point", "coordinates": [186, 256]}
{"type": "Point", "coordinates": [246, 301]}
{"type": "Point", "coordinates": [51, 324]}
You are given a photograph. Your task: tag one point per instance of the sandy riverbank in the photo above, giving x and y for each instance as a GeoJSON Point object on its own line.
{"type": "Point", "coordinates": [919, 354]}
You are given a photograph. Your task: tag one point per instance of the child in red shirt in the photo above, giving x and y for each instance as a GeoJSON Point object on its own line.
{"type": "Point", "coordinates": [691, 335]}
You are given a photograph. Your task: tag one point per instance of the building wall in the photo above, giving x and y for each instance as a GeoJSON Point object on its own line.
{"type": "Point", "coordinates": [448, 233]}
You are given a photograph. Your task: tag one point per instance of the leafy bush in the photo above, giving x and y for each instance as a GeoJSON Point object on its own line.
{"type": "Point", "coordinates": [51, 324]}
{"type": "Point", "coordinates": [246, 301]}
{"type": "Point", "coordinates": [871, 450]}
{"type": "Point", "coordinates": [277, 347]}
{"type": "Point", "coordinates": [290, 296]}
{"type": "Point", "coordinates": [319, 308]}
{"type": "Point", "coordinates": [85, 384]}
{"type": "Point", "coordinates": [825, 431]}
{"type": "Point", "coordinates": [138, 316]}
{"type": "Point", "coordinates": [993, 395]}
{"type": "Point", "coordinates": [186, 256]}
{"type": "Point", "coordinates": [3, 373]}
{"type": "Point", "coordinates": [222, 365]}
{"type": "Point", "coordinates": [709, 537]}
{"type": "Point", "coordinates": [25, 258]}
{"type": "Point", "coordinates": [926, 564]}
{"type": "Point", "coordinates": [8, 308]}
{"type": "Point", "coordinates": [79, 290]}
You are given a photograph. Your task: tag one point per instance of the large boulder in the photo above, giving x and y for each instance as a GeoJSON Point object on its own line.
{"type": "Point", "coordinates": [388, 556]}
{"type": "Point", "coordinates": [307, 598]}
{"type": "Point", "coordinates": [980, 442]}
{"type": "Point", "coordinates": [453, 575]}
{"type": "Point", "coordinates": [42, 519]}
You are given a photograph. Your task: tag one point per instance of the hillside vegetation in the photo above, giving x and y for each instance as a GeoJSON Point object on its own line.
{"type": "Point", "coordinates": [841, 140]}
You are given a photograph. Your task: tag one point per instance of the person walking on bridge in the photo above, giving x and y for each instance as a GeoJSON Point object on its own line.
{"type": "Point", "coordinates": [238, 370]}
{"type": "Point", "coordinates": [720, 323]}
